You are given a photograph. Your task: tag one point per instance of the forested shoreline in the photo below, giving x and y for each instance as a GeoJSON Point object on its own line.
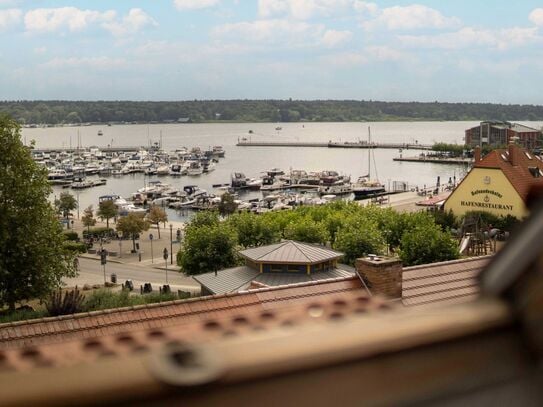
{"type": "Point", "coordinates": [55, 112]}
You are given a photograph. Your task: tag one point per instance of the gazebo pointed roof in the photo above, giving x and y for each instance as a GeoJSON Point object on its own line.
{"type": "Point", "coordinates": [290, 251]}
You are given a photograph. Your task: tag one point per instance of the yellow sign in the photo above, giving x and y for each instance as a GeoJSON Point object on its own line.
{"type": "Point", "coordinates": [489, 190]}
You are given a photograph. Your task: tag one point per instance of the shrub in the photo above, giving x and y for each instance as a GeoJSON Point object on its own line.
{"type": "Point", "coordinates": [358, 242]}
{"type": "Point", "coordinates": [106, 299]}
{"type": "Point", "coordinates": [75, 247]}
{"type": "Point", "coordinates": [71, 236]}
{"type": "Point", "coordinates": [21, 315]}
{"type": "Point", "coordinates": [427, 244]}
{"type": "Point", "coordinates": [70, 302]}
{"type": "Point", "coordinates": [447, 220]}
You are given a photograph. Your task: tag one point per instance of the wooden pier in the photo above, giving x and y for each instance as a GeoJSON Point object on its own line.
{"type": "Point", "coordinates": [334, 144]}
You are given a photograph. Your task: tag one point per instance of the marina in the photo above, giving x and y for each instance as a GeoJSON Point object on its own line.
{"type": "Point", "coordinates": [301, 163]}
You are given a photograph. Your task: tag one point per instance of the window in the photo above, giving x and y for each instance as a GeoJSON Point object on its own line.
{"type": "Point", "coordinates": [293, 268]}
{"type": "Point", "coordinates": [276, 268]}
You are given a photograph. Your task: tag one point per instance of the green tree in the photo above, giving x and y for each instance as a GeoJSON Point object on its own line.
{"type": "Point", "coordinates": [207, 248]}
{"type": "Point", "coordinates": [205, 218]}
{"type": "Point", "coordinates": [107, 210]}
{"type": "Point", "coordinates": [131, 225]}
{"type": "Point", "coordinates": [227, 206]}
{"type": "Point", "coordinates": [254, 230]}
{"type": "Point", "coordinates": [88, 218]}
{"type": "Point", "coordinates": [156, 215]}
{"type": "Point", "coordinates": [427, 243]}
{"type": "Point", "coordinates": [307, 230]}
{"type": "Point", "coordinates": [65, 204]}
{"type": "Point", "coordinates": [32, 259]}
{"type": "Point", "coordinates": [356, 242]}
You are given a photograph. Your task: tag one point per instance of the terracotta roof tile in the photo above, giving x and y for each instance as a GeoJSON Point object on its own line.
{"type": "Point", "coordinates": [441, 281]}
{"type": "Point", "coordinates": [518, 174]}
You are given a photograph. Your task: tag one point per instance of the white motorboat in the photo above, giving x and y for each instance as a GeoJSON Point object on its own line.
{"type": "Point", "coordinates": [195, 168]}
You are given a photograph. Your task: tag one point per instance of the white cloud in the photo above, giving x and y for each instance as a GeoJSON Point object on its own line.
{"type": "Point", "coordinates": [364, 7]}
{"type": "Point", "coordinates": [469, 37]}
{"type": "Point", "coordinates": [40, 50]}
{"type": "Point", "coordinates": [9, 18]}
{"type": "Point", "coordinates": [102, 63]}
{"type": "Point", "coordinates": [72, 18]}
{"type": "Point", "coordinates": [303, 9]}
{"type": "Point", "coordinates": [270, 8]}
{"type": "Point", "coordinates": [134, 21]}
{"type": "Point", "coordinates": [536, 17]}
{"type": "Point", "coordinates": [194, 4]}
{"type": "Point", "coordinates": [333, 38]}
{"type": "Point", "coordinates": [411, 17]}
{"type": "Point", "coordinates": [284, 32]}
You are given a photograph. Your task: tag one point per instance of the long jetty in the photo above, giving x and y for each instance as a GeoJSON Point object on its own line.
{"type": "Point", "coordinates": [333, 144]}
{"type": "Point", "coordinates": [108, 149]}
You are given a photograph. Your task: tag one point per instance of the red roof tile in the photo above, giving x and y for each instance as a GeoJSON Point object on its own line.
{"type": "Point", "coordinates": [517, 172]}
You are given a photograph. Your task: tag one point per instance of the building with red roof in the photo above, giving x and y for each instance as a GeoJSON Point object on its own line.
{"type": "Point", "coordinates": [498, 183]}
{"type": "Point", "coordinates": [497, 133]}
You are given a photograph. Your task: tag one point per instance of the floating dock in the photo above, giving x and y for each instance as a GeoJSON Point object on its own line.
{"type": "Point", "coordinates": [436, 160]}
{"type": "Point", "coordinates": [333, 144]}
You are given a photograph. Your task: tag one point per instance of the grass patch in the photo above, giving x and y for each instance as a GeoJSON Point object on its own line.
{"type": "Point", "coordinates": [22, 315]}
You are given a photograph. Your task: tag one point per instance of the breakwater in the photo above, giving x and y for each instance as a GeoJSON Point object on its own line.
{"type": "Point", "coordinates": [334, 144]}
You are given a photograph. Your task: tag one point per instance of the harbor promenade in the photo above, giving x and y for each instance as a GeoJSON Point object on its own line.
{"type": "Point", "coordinates": [150, 253]}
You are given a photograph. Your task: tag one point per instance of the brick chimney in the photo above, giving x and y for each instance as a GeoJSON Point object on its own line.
{"type": "Point", "coordinates": [477, 153]}
{"type": "Point", "coordinates": [512, 149]}
{"type": "Point", "coordinates": [382, 275]}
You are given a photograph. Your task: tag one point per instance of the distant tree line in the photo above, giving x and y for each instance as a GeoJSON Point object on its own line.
{"type": "Point", "coordinates": [70, 112]}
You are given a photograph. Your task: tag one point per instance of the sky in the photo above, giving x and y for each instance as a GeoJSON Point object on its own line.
{"type": "Point", "coordinates": [447, 51]}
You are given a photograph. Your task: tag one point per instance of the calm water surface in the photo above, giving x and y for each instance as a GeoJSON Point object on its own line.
{"type": "Point", "coordinates": [253, 160]}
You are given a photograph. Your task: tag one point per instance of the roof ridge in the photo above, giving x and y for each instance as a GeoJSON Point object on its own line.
{"type": "Point", "coordinates": [447, 262]}
{"type": "Point", "coordinates": [300, 249]}
{"type": "Point", "coordinates": [281, 244]}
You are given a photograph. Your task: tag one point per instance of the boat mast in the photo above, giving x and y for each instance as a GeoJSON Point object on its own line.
{"type": "Point", "coordinates": [369, 149]}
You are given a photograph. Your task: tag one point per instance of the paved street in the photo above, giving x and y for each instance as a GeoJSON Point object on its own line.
{"type": "Point", "coordinates": [91, 272]}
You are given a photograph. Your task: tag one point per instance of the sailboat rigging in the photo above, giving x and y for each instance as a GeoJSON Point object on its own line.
{"type": "Point", "coordinates": [365, 187]}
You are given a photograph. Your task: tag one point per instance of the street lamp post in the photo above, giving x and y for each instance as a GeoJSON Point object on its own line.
{"type": "Point", "coordinates": [151, 239]}
{"type": "Point", "coordinates": [165, 256]}
{"type": "Point", "coordinates": [103, 261]}
{"type": "Point", "coordinates": [171, 243]}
